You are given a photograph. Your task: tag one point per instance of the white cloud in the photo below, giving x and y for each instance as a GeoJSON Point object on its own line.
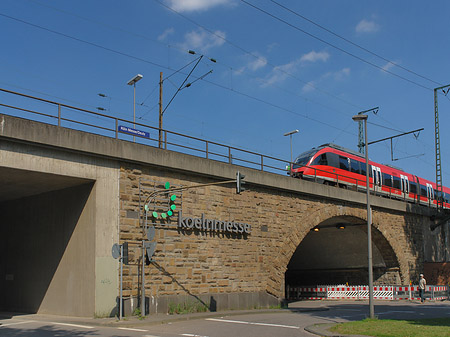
{"type": "Point", "coordinates": [310, 86]}
{"type": "Point", "coordinates": [200, 40]}
{"type": "Point", "coordinates": [341, 74]}
{"type": "Point", "coordinates": [388, 66]}
{"type": "Point", "coordinates": [258, 63]}
{"type": "Point", "coordinates": [336, 76]}
{"type": "Point", "coordinates": [165, 34]}
{"type": "Point", "coordinates": [365, 26]}
{"type": "Point", "coordinates": [280, 73]}
{"type": "Point", "coordinates": [314, 56]}
{"type": "Point", "coordinates": [196, 5]}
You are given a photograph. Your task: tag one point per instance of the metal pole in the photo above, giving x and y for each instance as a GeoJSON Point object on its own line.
{"type": "Point", "coordinates": [160, 108]}
{"type": "Point", "coordinates": [290, 136]}
{"type": "Point", "coordinates": [121, 283]}
{"type": "Point", "coordinates": [369, 229]}
{"type": "Point", "coordinates": [143, 280]}
{"type": "Point", "coordinates": [134, 108]}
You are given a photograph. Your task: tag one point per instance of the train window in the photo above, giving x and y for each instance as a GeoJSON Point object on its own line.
{"type": "Point", "coordinates": [363, 169]}
{"type": "Point", "coordinates": [387, 179]}
{"type": "Point", "coordinates": [423, 190]}
{"type": "Point", "coordinates": [304, 158]}
{"type": "Point", "coordinates": [320, 160]}
{"type": "Point", "coordinates": [333, 159]}
{"type": "Point", "coordinates": [397, 182]}
{"type": "Point", "coordinates": [343, 163]}
{"type": "Point", "coordinates": [354, 166]}
{"type": "Point", "coordinates": [413, 187]}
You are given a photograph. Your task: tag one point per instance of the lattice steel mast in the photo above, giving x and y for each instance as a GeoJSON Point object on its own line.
{"type": "Point", "coordinates": [438, 148]}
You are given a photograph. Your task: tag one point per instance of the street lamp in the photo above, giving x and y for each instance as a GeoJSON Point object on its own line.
{"type": "Point", "coordinates": [132, 82]}
{"type": "Point", "coordinates": [358, 118]}
{"type": "Point", "coordinates": [290, 133]}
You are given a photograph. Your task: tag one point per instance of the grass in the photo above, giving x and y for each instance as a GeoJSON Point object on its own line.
{"type": "Point", "coordinates": [187, 308]}
{"type": "Point", "coordinates": [437, 327]}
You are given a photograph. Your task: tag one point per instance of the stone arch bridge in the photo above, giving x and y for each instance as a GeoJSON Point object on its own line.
{"type": "Point", "coordinates": [67, 196]}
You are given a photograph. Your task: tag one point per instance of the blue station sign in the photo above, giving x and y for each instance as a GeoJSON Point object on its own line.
{"type": "Point", "coordinates": [134, 132]}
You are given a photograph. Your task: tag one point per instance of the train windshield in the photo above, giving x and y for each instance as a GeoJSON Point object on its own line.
{"type": "Point", "coordinates": [304, 158]}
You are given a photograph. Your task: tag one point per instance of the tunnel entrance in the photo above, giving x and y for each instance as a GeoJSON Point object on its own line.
{"type": "Point", "coordinates": [335, 253]}
{"type": "Point", "coordinates": [46, 238]}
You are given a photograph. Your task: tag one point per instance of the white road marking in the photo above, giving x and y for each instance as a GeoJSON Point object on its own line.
{"type": "Point", "coordinates": [133, 329]}
{"type": "Point", "coordinates": [72, 325]}
{"type": "Point", "coordinates": [253, 323]}
{"type": "Point", "coordinates": [191, 335]}
{"type": "Point", "coordinates": [16, 323]}
{"type": "Point", "coordinates": [390, 312]}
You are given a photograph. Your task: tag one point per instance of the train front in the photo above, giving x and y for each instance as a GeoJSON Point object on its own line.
{"type": "Point", "coordinates": [300, 166]}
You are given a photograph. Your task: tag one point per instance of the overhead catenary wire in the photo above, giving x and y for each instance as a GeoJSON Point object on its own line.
{"type": "Point", "coordinates": [353, 43]}
{"type": "Point", "coordinates": [162, 66]}
{"type": "Point", "coordinates": [334, 46]}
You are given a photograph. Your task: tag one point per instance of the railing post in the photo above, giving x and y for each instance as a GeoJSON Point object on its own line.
{"type": "Point", "coordinates": [117, 128]}
{"type": "Point", "coordinates": [229, 156]}
{"type": "Point", "coordinates": [165, 140]}
{"type": "Point", "coordinates": [59, 114]}
{"type": "Point", "coordinates": [207, 149]}
{"type": "Point", "coordinates": [262, 162]}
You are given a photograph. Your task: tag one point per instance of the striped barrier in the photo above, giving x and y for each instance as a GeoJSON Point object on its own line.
{"type": "Point", "coordinates": [432, 293]}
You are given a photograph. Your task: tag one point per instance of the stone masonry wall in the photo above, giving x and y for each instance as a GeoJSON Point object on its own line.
{"type": "Point", "coordinates": [200, 263]}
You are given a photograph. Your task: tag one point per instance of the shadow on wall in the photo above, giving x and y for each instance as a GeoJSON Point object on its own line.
{"type": "Point", "coordinates": [35, 232]}
{"type": "Point", "coordinates": [212, 306]}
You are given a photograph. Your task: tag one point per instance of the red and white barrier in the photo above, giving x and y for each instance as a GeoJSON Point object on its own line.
{"type": "Point", "coordinates": [434, 293]}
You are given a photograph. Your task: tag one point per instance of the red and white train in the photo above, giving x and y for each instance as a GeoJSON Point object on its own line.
{"type": "Point", "coordinates": [335, 165]}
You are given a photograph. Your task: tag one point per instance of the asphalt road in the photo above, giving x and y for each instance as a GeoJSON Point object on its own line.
{"type": "Point", "coordinates": [279, 323]}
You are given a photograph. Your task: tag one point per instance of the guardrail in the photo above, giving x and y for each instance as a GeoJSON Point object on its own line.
{"type": "Point", "coordinates": [68, 116]}
{"type": "Point", "coordinates": [382, 292]}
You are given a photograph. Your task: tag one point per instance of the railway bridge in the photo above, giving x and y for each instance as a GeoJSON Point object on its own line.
{"type": "Point", "coordinates": [67, 196]}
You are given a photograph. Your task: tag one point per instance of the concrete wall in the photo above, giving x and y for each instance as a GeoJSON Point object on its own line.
{"type": "Point", "coordinates": [47, 244]}
{"type": "Point", "coordinates": [37, 149]}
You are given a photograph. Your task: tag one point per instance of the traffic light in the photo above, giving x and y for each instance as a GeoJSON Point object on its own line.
{"type": "Point", "coordinates": [240, 182]}
{"type": "Point", "coordinates": [125, 253]}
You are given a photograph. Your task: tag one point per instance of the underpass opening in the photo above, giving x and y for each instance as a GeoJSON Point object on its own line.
{"type": "Point", "coordinates": [46, 243]}
{"type": "Point", "coordinates": [335, 253]}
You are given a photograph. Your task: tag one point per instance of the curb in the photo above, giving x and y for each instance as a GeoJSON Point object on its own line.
{"type": "Point", "coordinates": [323, 330]}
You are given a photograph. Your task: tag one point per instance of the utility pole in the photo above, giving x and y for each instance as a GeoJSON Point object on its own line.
{"type": "Point", "coordinates": [160, 108]}
{"type": "Point", "coordinates": [439, 198]}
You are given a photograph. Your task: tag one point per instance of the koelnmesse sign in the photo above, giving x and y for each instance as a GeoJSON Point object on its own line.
{"type": "Point", "coordinates": [212, 225]}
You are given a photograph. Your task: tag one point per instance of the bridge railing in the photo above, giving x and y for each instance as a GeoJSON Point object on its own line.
{"type": "Point", "coordinates": [63, 115]}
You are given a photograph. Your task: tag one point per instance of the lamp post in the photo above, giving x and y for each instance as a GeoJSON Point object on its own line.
{"type": "Point", "coordinates": [290, 133]}
{"type": "Point", "coordinates": [358, 118]}
{"type": "Point", "coordinates": [132, 82]}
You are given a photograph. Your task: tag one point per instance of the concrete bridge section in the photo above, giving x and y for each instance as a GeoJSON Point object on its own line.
{"type": "Point", "coordinates": [67, 196]}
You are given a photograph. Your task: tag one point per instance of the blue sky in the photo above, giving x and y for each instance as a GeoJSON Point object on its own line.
{"type": "Point", "coordinates": [281, 65]}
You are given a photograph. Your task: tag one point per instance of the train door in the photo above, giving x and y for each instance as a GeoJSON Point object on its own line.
{"type": "Point", "coordinates": [430, 193]}
{"type": "Point", "coordinates": [405, 185]}
{"type": "Point", "coordinates": [376, 174]}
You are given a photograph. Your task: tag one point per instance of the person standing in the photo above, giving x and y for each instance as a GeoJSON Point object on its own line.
{"type": "Point", "coordinates": [422, 288]}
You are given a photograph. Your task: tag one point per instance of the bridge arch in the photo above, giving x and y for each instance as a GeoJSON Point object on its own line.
{"type": "Point", "coordinates": [337, 252]}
